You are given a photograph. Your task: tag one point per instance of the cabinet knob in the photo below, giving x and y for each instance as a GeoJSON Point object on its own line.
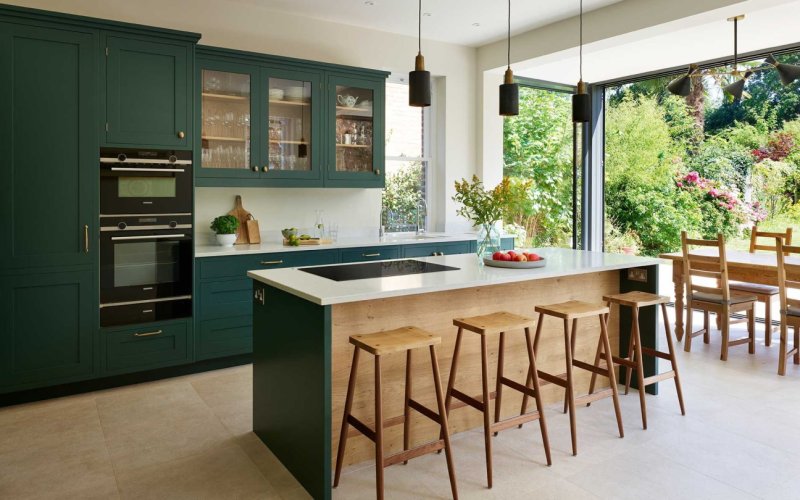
{"type": "Point", "coordinates": [265, 169]}
{"type": "Point", "coordinates": [255, 168]}
{"type": "Point", "coordinates": [181, 134]}
{"type": "Point", "coordinates": [377, 171]}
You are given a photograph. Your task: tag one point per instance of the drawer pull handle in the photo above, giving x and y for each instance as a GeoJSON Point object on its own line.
{"type": "Point", "coordinates": [271, 262]}
{"type": "Point", "coordinates": [148, 334]}
{"type": "Point", "coordinates": [370, 254]}
{"type": "Point", "coordinates": [86, 238]}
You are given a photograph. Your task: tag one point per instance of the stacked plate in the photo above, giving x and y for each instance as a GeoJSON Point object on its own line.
{"type": "Point", "coordinates": [276, 94]}
{"type": "Point", "coordinates": [294, 93]}
{"type": "Point", "coordinates": [365, 104]}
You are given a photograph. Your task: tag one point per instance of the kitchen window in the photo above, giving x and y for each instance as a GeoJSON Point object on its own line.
{"type": "Point", "coordinates": [408, 161]}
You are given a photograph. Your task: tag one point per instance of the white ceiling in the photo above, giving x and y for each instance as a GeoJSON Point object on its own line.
{"type": "Point", "coordinates": [767, 23]}
{"type": "Point", "coordinates": [449, 20]}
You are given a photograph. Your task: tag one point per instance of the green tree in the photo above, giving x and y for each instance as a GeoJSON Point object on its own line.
{"type": "Point", "coordinates": [400, 197]}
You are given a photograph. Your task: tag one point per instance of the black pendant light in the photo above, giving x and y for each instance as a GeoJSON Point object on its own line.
{"type": "Point", "coordinates": [787, 72]}
{"type": "Point", "coordinates": [581, 102]}
{"type": "Point", "coordinates": [736, 89]}
{"type": "Point", "coordinates": [419, 80]}
{"type": "Point", "coordinates": [682, 85]}
{"type": "Point", "coordinates": [509, 91]}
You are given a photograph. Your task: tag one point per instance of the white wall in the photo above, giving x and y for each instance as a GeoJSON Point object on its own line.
{"type": "Point", "coordinates": [247, 26]}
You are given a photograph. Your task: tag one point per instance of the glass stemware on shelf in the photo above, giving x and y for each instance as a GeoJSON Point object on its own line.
{"type": "Point", "coordinates": [225, 120]}
{"type": "Point", "coordinates": [289, 132]}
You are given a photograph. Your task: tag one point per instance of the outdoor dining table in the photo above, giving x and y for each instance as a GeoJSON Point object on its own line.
{"type": "Point", "coordinates": [761, 268]}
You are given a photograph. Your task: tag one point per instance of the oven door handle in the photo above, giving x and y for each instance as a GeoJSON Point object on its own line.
{"type": "Point", "coordinates": [133, 169]}
{"type": "Point", "coordinates": [147, 237]}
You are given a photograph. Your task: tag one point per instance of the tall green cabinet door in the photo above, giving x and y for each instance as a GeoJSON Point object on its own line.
{"type": "Point", "coordinates": [46, 328]}
{"type": "Point", "coordinates": [48, 139]}
{"type": "Point", "coordinates": [355, 124]}
{"type": "Point", "coordinates": [148, 99]}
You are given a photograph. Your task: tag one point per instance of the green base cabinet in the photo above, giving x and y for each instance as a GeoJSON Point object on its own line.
{"type": "Point", "coordinates": [146, 347]}
{"type": "Point", "coordinates": [365, 254]}
{"type": "Point", "coordinates": [427, 250]}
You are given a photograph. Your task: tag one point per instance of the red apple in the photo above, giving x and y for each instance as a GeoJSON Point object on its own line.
{"type": "Point", "coordinates": [520, 258]}
{"type": "Point", "coordinates": [506, 256]}
{"type": "Point", "coordinates": [512, 253]}
{"type": "Point", "coordinates": [534, 257]}
{"type": "Point", "coordinates": [497, 256]}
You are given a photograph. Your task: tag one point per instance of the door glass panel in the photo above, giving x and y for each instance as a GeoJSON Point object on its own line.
{"type": "Point", "coordinates": [289, 131]}
{"type": "Point", "coordinates": [354, 132]}
{"type": "Point", "coordinates": [226, 120]}
{"type": "Point", "coordinates": [146, 263]}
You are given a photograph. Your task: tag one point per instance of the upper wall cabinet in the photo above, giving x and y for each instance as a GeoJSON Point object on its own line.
{"type": "Point", "coordinates": [148, 91]}
{"type": "Point", "coordinates": [270, 121]}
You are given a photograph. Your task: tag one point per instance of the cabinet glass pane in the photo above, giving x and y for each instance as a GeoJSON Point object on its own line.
{"type": "Point", "coordinates": [289, 131]}
{"type": "Point", "coordinates": [354, 131]}
{"type": "Point", "coordinates": [226, 120]}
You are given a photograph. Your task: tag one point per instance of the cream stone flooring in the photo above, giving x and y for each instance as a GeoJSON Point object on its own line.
{"type": "Point", "coordinates": [190, 437]}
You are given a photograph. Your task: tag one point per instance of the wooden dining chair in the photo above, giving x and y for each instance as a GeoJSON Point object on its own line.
{"type": "Point", "coordinates": [717, 299]}
{"type": "Point", "coordinates": [764, 293]}
{"type": "Point", "coordinates": [790, 307]}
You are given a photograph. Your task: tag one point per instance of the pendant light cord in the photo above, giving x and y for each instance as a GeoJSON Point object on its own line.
{"type": "Point", "coordinates": [508, 48]}
{"type": "Point", "coordinates": [419, 28]}
{"type": "Point", "coordinates": [735, 44]}
{"type": "Point", "coordinates": [580, 49]}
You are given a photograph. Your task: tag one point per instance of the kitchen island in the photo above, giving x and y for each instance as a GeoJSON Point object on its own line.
{"type": "Point", "coordinates": [302, 355]}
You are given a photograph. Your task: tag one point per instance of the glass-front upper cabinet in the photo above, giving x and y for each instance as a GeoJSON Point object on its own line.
{"type": "Point", "coordinates": [290, 135]}
{"type": "Point", "coordinates": [226, 121]}
{"type": "Point", "coordinates": [356, 149]}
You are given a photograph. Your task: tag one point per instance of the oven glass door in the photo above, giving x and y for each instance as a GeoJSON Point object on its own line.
{"type": "Point", "coordinates": [133, 190]}
{"type": "Point", "coordinates": [137, 267]}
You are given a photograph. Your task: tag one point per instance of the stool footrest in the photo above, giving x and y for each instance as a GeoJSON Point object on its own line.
{"type": "Point", "coordinates": [619, 361]}
{"type": "Point", "coordinates": [698, 332]}
{"type": "Point", "coordinates": [361, 427]}
{"type": "Point", "coordinates": [791, 352]}
{"type": "Point", "coordinates": [478, 405]}
{"type": "Point", "coordinates": [424, 410]}
{"type": "Point", "coordinates": [652, 379]}
{"type": "Point", "coordinates": [590, 368]}
{"type": "Point", "coordinates": [647, 351]}
{"type": "Point", "coordinates": [595, 396]}
{"type": "Point", "coordinates": [518, 387]}
{"type": "Point", "coordinates": [559, 380]}
{"type": "Point", "coordinates": [743, 340]}
{"type": "Point", "coordinates": [514, 421]}
{"type": "Point", "coordinates": [407, 455]}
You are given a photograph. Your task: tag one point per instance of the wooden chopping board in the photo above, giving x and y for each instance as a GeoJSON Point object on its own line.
{"type": "Point", "coordinates": [242, 216]}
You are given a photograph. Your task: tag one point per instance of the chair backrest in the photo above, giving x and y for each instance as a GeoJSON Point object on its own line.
{"type": "Point", "coordinates": [755, 234]}
{"type": "Point", "coordinates": [791, 269]}
{"type": "Point", "coordinates": [705, 266]}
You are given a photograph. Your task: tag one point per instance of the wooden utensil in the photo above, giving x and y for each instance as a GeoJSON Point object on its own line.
{"type": "Point", "coordinates": [242, 216]}
{"type": "Point", "coordinates": [253, 233]}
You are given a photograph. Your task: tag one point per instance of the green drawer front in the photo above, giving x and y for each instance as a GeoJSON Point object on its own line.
{"type": "Point", "coordinates": [223, 299]}
{"type": "Point", "coordinates": [370, 253]}
{"type": "Point", "coordinates": [237, 267]}
{"type": "Point", "coordinates": [146, 347]}
{"type": "Point", "coordinates": [429, 249]}
{"type": "Point", "coordinates": [225, 336]}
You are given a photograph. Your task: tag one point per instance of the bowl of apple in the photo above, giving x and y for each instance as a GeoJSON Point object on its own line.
{"type": "Point", "coordinates": [514, 259]}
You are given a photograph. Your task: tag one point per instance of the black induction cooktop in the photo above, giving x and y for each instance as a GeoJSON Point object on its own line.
{"type": "Point", "coordinates": [366, 270]}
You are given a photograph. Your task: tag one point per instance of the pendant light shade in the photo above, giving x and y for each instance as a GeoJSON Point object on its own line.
{"type": "Point", "coordinates": [509, 91]}
{"type": "Point", "coordinates": [787, 72]}
{"type": "Point", "coordinates": [581, 102]}
{"type": "Point", "coordinates": [419, 80]}
{"type": "Point", "coordinates": [736, 89]}
{"type": "Point", "coordinates": [682, 85]}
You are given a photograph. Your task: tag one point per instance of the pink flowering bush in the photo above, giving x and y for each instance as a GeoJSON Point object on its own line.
{"type": "Point", "coordinates": [721, 209]}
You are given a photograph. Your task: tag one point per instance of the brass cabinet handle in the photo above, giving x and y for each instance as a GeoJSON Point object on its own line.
{"type": "Point", "coordinates": [271, 262]}
{"type": "Point", "coordinates": [86, 238]}
{"type": "Point", "coordinates": [377, 171]}
{"type": "Point", "coordinates": [181, 134]}
{"type": "Point", "coordinates": [370, 254]}
{"type": "Point", "coordinates": [265, 168]}
{"type": "Point", "coordinates": [148, 334]}
{"type": "Point", "coordinates": [255, 168]}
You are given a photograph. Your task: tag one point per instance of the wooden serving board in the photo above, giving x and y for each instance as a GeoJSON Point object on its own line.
{"type": "Point", "coordinates": [242, 216]}
{"type": "Point", "coordinates": [312, 241]}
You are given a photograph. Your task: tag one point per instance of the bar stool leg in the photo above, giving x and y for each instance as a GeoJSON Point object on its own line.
{"type": "Point", "coordinates": [751, 330]}
{"type": "Point", "coordinates": [445, 429]}
{"type": "Point", "coordinates": [378, 429]}
{"type": "Point", "coordinates": [451, 381]}
{"type": "Point", "coordinates": [572, 351]}
{"type": "Point", "coordinates": [783, 347]}
{"type": "Point", "coordinates": [687, 343]}
{"type": "Point", "coordinates": [539, 405]}
{"type": "Point", "coordinates": [639, 365]}
{"type": "Point", "coordinates": [611, 377]}
{"type": "Point", "coordinates": [628, 370]}
{"type": "Point", "coordinates": [768, 322]}
{"type": "Point", "coordinates": [348, 406]}
{"type": "Point", "coordinates": [528, 380]}
{"type": "Point", "coordinates": [499, 386]}
{"type": "Point", "coordinates": [407, 407]}
{"type": "Point", "coordinates": [673, 361]}
{"type": "Point", "coordinates": [487, 437]}
{"type": "Point", "coordinates": [707, 326]}
{"type": "Point", "coordinates": [796, 344]}
{"type": "Point", "coordinates": [726, 332]}
{"type": "Point", "coordinates": [597, 355]}
{"type": "Point", "coordinates": [569, 388]}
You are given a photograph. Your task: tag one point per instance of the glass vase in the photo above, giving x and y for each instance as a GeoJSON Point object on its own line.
{"type": "Point", "coordinates": [488, 240]}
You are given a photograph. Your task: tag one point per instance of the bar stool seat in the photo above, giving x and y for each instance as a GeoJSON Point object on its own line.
{"type": "Point", "coordinates": [405, 339]}
{"type": "Point", "coordinates": [636, 351]}
{"type": "Point", "coordinates": [498, 322]}
{"type": "Point", "coordinates": [574, 310]}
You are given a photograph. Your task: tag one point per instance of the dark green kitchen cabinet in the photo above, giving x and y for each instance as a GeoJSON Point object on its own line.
{"type": "Point", "coordinates": [429, 249]}
{"type": "Point", "coordinates": [147, 346]}
{"type": "Point", "coordinates": [48, 195]}
{"type": "Point", "coordinates": [148, 90]}
{"type": "Point", "coordinates": [364, 254]}
{"type": "Point", "coordinates": [47, 325]}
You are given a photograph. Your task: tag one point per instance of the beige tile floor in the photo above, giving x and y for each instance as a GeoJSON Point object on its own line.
{"type": "Point", "coordinates": [190, 437]}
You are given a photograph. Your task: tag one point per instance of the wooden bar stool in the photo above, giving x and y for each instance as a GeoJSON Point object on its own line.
{"type": "Point", "coordinates": [635, 359]}
{"type": "Point", "coordinates": [575, 310]}
{"type": "Point", "coordinates": [500, 322]}
{"type": "Point", "coordinates": [401, 339]}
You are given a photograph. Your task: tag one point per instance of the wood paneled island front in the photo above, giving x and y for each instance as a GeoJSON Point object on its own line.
{"type": "Point", "coordinates": [302, 354]}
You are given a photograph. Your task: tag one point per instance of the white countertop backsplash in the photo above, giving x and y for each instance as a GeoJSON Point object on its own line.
{"type": "Point", "coordinates": [560, 262]}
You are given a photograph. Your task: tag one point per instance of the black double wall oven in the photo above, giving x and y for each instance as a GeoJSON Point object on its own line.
{"type": "Point", "coordinates": [145, 235]}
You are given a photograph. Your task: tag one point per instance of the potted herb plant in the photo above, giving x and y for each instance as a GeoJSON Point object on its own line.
{"type": "Point", "coordinates": [225, 226]}
{"type": "Point", "coordinates": [485, 208]}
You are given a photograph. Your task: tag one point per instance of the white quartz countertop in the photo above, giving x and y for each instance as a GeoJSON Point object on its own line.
{"type": "Point", "coordinates": [560, 262]}
{"type": "Point", "coordinates": [363, 241]}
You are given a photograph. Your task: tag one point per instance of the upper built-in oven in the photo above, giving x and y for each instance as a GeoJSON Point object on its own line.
{"type": "Point", "coordinates": [138, 181]}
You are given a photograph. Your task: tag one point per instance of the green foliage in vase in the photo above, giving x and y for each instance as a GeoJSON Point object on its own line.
{"type": "Point", "coordinates": [486, 207]}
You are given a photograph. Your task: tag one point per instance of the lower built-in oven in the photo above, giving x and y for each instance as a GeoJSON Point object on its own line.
{"type": "Point", "coordinates": [145, 268]}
